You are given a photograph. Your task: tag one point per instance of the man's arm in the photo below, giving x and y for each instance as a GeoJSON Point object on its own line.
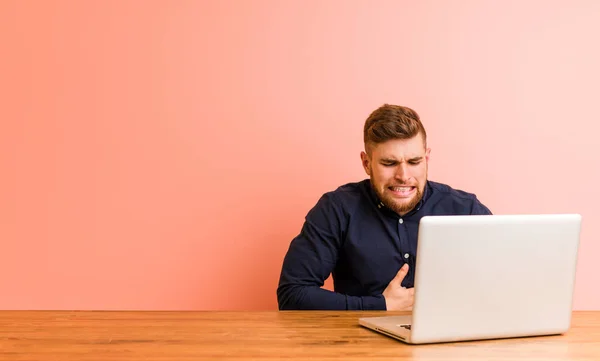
{"type": "Point", "coordinates": [311, 257]}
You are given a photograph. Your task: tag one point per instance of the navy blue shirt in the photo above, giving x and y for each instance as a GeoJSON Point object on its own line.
{"type": "Point", "coordinates": [351, 235]}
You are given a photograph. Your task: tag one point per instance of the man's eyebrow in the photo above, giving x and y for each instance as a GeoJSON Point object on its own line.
{"type": "Point", "coordinates": [394, 160]}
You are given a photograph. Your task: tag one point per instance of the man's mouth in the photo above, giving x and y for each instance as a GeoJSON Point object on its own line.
{"type": "Point", "coordinates": [402, 191]}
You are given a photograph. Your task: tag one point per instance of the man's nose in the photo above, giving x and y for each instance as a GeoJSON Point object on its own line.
{"type": "Point", "coordinates": [402, 173]}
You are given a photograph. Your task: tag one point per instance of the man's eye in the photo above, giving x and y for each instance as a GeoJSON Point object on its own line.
{"type": "Point", "coordinates": [414, 163]}
{"type": "Point", "coordinates": [389, 164]}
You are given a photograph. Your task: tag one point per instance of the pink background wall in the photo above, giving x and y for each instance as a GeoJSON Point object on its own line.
{"type": "Point", "coordinates": [162, 155]}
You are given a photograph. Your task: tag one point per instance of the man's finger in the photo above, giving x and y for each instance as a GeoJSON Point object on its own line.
{"type": "Point", "coordinates": [411, 291]}
{"type": "Point", "coordinates": [401, 273]}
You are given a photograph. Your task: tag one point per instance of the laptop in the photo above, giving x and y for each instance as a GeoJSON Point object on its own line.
{"type": "Point", "coordinates": [489, 277]}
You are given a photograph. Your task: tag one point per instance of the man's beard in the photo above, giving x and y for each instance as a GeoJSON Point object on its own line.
{"type": "Point", "coordinates": [399, 207]}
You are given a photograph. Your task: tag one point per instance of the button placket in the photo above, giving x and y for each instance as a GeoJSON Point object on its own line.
{"type": "Point", "coordinates": [401, 235]}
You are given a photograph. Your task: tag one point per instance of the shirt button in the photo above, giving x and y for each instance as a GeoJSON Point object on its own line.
{"type": "Point", "coordinates": [406, 255]}
{"type": "Point", "coordinates": [401, 220]}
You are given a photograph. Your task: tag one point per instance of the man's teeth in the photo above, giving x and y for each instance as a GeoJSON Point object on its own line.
{"type": "Point", "coordinates": [401, 189]}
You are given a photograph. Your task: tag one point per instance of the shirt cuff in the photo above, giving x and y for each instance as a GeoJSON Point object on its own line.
{"type": "Point", "coordinates": [374, 303]}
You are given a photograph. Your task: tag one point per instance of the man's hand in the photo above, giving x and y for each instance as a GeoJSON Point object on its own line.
{"type": "Point", "coordinates": [398, 298]}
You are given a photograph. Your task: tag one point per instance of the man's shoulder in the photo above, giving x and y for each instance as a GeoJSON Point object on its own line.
{"type": "Point", "coordinates": [349, 193]}
{"type": "Point", "coordinates": [346, 197]}
{"type": "Point", "coordinates": [342, 201]}
{"type": "Point", "coordinates": [445, 190]}
{"type": "Point", "coordinates": [450, 200]}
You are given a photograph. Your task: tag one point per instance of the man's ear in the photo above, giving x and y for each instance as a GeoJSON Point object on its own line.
{"type": "Point", "coordinates": [427, 152]}
{"type": "Point", "coordinates": [366, 162]}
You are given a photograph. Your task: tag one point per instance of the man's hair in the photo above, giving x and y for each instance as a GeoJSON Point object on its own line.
{"type": "Point", "coordinates": [393, 122]}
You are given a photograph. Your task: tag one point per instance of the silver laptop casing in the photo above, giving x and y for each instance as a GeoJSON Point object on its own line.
{"type": "Point", "coordinates": [489, 276]}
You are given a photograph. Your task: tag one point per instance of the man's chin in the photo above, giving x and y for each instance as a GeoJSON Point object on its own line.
{"type": "Point", "coordinates": [402, 206]}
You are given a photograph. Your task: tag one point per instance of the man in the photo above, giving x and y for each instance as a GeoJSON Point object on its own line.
{"type": "Point", "coordinates": [365, 234]}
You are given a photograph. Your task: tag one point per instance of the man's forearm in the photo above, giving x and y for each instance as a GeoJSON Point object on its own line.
{"type": "Point", "coordinates": [297, 297]}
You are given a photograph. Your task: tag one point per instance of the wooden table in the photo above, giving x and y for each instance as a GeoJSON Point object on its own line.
{"type": "Point", "coordinates": [49, 335]}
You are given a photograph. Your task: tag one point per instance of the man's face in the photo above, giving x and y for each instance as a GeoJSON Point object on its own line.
{"type": "Point", "coordinates": [398, 171]}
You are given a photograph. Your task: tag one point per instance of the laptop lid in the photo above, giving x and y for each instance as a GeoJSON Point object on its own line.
{"type": "Point", "coordinates": [494, 276]}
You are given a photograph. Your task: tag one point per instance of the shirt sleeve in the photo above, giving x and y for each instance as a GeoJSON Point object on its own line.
{"type": "Point", "coordinates": [310, 259]}
{"type": "Point", "coordinates": [479, 208]}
